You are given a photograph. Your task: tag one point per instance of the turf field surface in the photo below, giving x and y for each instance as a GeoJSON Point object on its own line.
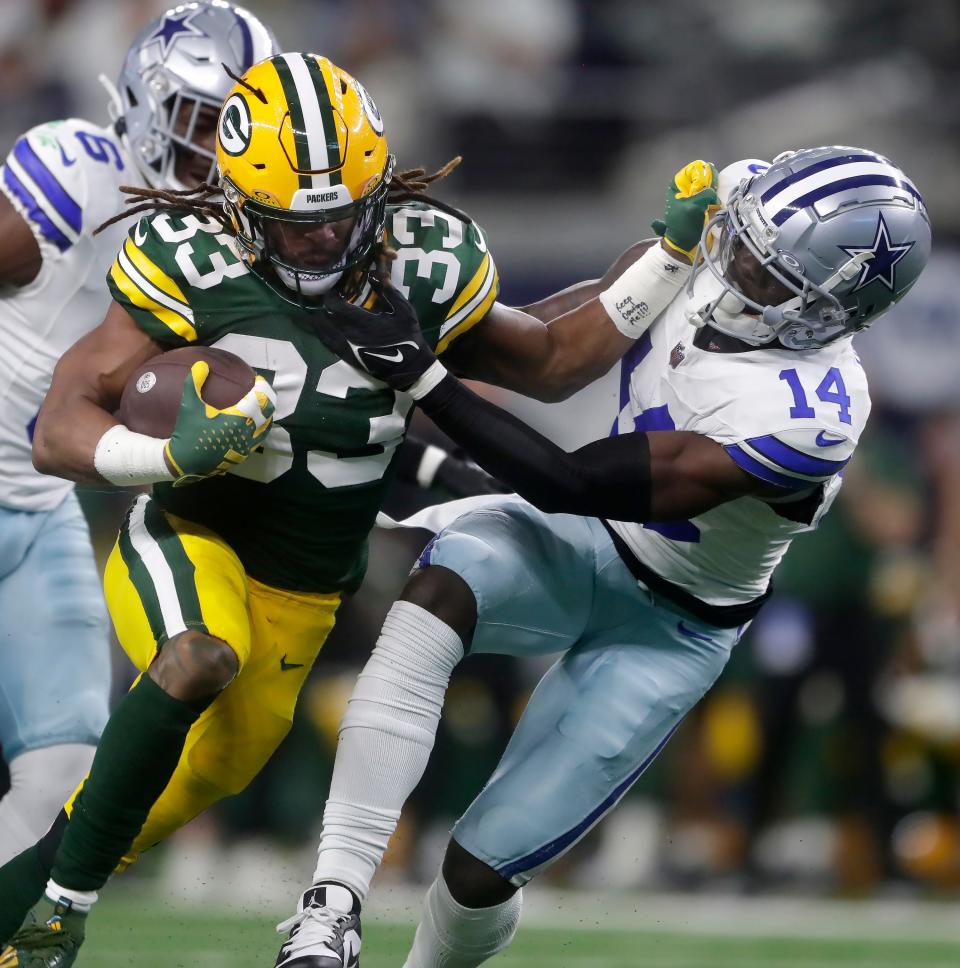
{"type": "Point", "coordinates": [150, 934]}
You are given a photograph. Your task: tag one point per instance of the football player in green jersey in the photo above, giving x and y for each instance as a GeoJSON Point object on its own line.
{"type": "Point", "coordinates": [223, 586]}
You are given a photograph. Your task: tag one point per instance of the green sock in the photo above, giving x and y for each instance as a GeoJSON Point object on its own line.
{"type": "Point", "coordinates": [22, 881]}
{"type": "Point", "coordinates": [136, 757]}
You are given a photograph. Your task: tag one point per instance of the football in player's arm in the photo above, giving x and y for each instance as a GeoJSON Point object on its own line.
{"type": "Point", "coordinates": [214, 570]}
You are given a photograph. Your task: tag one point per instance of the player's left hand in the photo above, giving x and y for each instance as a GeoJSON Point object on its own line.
{"type": "Point", "coordinates": [386, 341]}
{"type": "Point", "coordinates": [691, 199]}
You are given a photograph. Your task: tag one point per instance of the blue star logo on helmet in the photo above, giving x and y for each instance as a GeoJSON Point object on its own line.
{"type": "Point", "coordinates": [882, 266]}
{"type": "Point", "coordinates": [171, 27]}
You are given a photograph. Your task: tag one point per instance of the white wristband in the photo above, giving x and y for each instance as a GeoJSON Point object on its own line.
{"type": "Point", "coordinates": [126, 458]}
{"type": "Point", "coordinates": [646, 288]}
{"type": "Point", "coordinates": [430, 463]}
{"type": "Point", "coordinates": [433, 375]}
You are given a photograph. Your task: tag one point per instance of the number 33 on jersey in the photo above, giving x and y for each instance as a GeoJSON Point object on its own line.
{"type": "Point", "coordinates": [298, 513]}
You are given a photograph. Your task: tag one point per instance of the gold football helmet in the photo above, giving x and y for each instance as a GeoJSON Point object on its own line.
{"type": "Point", "coordinates": [305, 170]}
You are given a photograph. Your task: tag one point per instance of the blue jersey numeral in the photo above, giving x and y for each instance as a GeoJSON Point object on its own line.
{"type": "Point", "coordinates": [800, 406]}
{"type": "Point", "coordinates": [100, 148]}
{"type": "Point", "coordinates": [832, 389]}
{"type": "Point", "coordinates": [839, 395]}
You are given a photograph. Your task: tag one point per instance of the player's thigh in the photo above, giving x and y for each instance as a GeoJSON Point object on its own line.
{"type": "Point", "coordinates": [532, 575]}
{"type": "Point", "coordinates": [595, 722]}
{"type": "Point", "coordinates": [54, 651]}
{"type": "Point", "coordinates": [166, 575]}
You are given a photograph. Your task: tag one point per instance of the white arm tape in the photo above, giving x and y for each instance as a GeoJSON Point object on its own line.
{"type": "Point", "coordinates": [645, 289]}
{"type": "Point", "coordinates": [126, 458]}
{"type": "Point", "coordinates": [431, 378]}
{"type": "Point", "coordinates": [430, 463]}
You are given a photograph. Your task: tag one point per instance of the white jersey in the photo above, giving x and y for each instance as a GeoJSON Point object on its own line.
{"type": "Point", "coordinates": [791, 419]}
{"type": "Point", "coordinates": [64, 179]}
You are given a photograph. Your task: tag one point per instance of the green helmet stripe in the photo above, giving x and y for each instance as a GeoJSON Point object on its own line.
{"type": "Point", "coordinates": [334, 160]}
{"type": "Point", "coordinates": [295, 109]}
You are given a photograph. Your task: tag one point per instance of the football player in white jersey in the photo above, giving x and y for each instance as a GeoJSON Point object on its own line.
{"type": "Point", "coordinates": [641, 557]}
{"type": "Point", "coordinates": [59, 182]}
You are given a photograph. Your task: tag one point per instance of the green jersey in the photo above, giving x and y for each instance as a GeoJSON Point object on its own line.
{"type": "Point", "coordinates": [298, 513]}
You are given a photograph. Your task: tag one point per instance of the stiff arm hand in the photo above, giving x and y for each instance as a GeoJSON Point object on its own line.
{"type": "Point", "coordinates": [690, 201]}
{"type": "Point", "coordinates": [386, 342]}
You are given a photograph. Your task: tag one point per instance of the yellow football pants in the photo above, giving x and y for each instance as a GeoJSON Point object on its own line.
{"type": "Point", "coordinates": [165, 575]}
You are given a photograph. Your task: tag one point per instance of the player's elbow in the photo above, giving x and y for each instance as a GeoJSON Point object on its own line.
{"type": "Point", "coordinates": [42, 452]}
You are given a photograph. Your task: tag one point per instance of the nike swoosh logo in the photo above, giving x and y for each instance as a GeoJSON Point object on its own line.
{"type": "Point", "coordinates": [287, 666]}
{"type": "Point", "coordinates": [397, 357]}
{"type": "Point", "coordinates": [692, 633]}
{"type": "Point", "coordinates": [139, 236]}
{"type": "Point", "coordinates": [824, 441]}
{"type": "Point", "coordinates": [67, 162]}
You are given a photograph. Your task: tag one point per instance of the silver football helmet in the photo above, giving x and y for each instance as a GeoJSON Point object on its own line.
{"type": "Point", "coordinates": [173, 70]}
{"type": "Point", "coordinates": [842, 229]}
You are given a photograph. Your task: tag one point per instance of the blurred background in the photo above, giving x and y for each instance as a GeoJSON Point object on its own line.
{"type": "Point", "coordinates": [826, 759]}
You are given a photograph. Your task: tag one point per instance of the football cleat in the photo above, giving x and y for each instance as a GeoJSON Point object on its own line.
{"type": "Point", "coordinates": [51, 938]}
{"type": "Point", "coordinates": [322, 936]}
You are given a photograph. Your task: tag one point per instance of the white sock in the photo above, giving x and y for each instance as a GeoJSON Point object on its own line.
{"type": "Point", "coordinates": [385, 741]}
{"type": "Point", "coordinates": [82, 901]}
{"type": "Point", "coordinates": [41, 782]}
{"type": "Point", "coordinates": [453, 936]}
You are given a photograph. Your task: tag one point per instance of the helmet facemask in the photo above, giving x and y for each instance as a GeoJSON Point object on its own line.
{"type": "Point", "coordinates": [278, 247]}
{"type": "Point", "coordinates": [172, 136]}
{"type": "Point", "coordinates": [811, 316]}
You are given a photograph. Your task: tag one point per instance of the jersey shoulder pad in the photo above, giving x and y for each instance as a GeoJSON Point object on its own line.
{"type": "Point", "coordinates": [794, 458]}
{"type": "Point", "coordinates": [443, 267]}
{"type": "Point", "coordinates": [166, 273]}
{"type": "Point", "coordinates": [62, 177]}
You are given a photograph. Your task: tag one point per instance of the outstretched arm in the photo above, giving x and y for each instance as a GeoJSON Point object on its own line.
{"type": "Point", "coordinates": [634, 477]}
{"type": "Point", "coordinates": [658, 476]}
{"type": "Point", "coordinates": [554, 348]}
{"type": "Point", "coordinates": [580, 293]}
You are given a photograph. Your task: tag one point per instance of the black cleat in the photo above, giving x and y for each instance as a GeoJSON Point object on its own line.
{"type": "Point", "coordinates": [322, 936]}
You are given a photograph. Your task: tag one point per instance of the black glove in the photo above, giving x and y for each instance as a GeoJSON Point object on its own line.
{"type": "Point", "coordinates": [385, 341]}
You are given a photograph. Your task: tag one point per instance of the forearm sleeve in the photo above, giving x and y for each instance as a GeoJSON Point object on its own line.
{"type": "Point", "coordinates": [606, 478]}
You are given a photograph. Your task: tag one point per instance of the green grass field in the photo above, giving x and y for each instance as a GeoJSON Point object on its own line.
{"type": "Point", "coordinates": [146, 935]}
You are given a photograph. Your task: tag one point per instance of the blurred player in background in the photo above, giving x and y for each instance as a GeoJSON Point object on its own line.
{"type": "Point", "coordinates": [659, 545]}
{"type": "Point", "coordinates": [61, 181]}
{"type": "Point", "coordinates": [223, 588]}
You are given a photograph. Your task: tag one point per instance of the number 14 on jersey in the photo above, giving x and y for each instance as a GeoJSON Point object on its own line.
{"type": "Point", "coordinates": [831, 389]}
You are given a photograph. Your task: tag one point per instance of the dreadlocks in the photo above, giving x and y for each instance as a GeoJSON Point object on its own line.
{"type": "Point", "coordinates": [412, 184]}
{"type": "Point", "coordinates": [167, 200]}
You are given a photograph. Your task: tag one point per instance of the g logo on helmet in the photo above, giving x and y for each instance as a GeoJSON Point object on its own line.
{"type": "Point", "coordinates": [235, 129]}
{"type": "Point", "coordinates": [369, 108]}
